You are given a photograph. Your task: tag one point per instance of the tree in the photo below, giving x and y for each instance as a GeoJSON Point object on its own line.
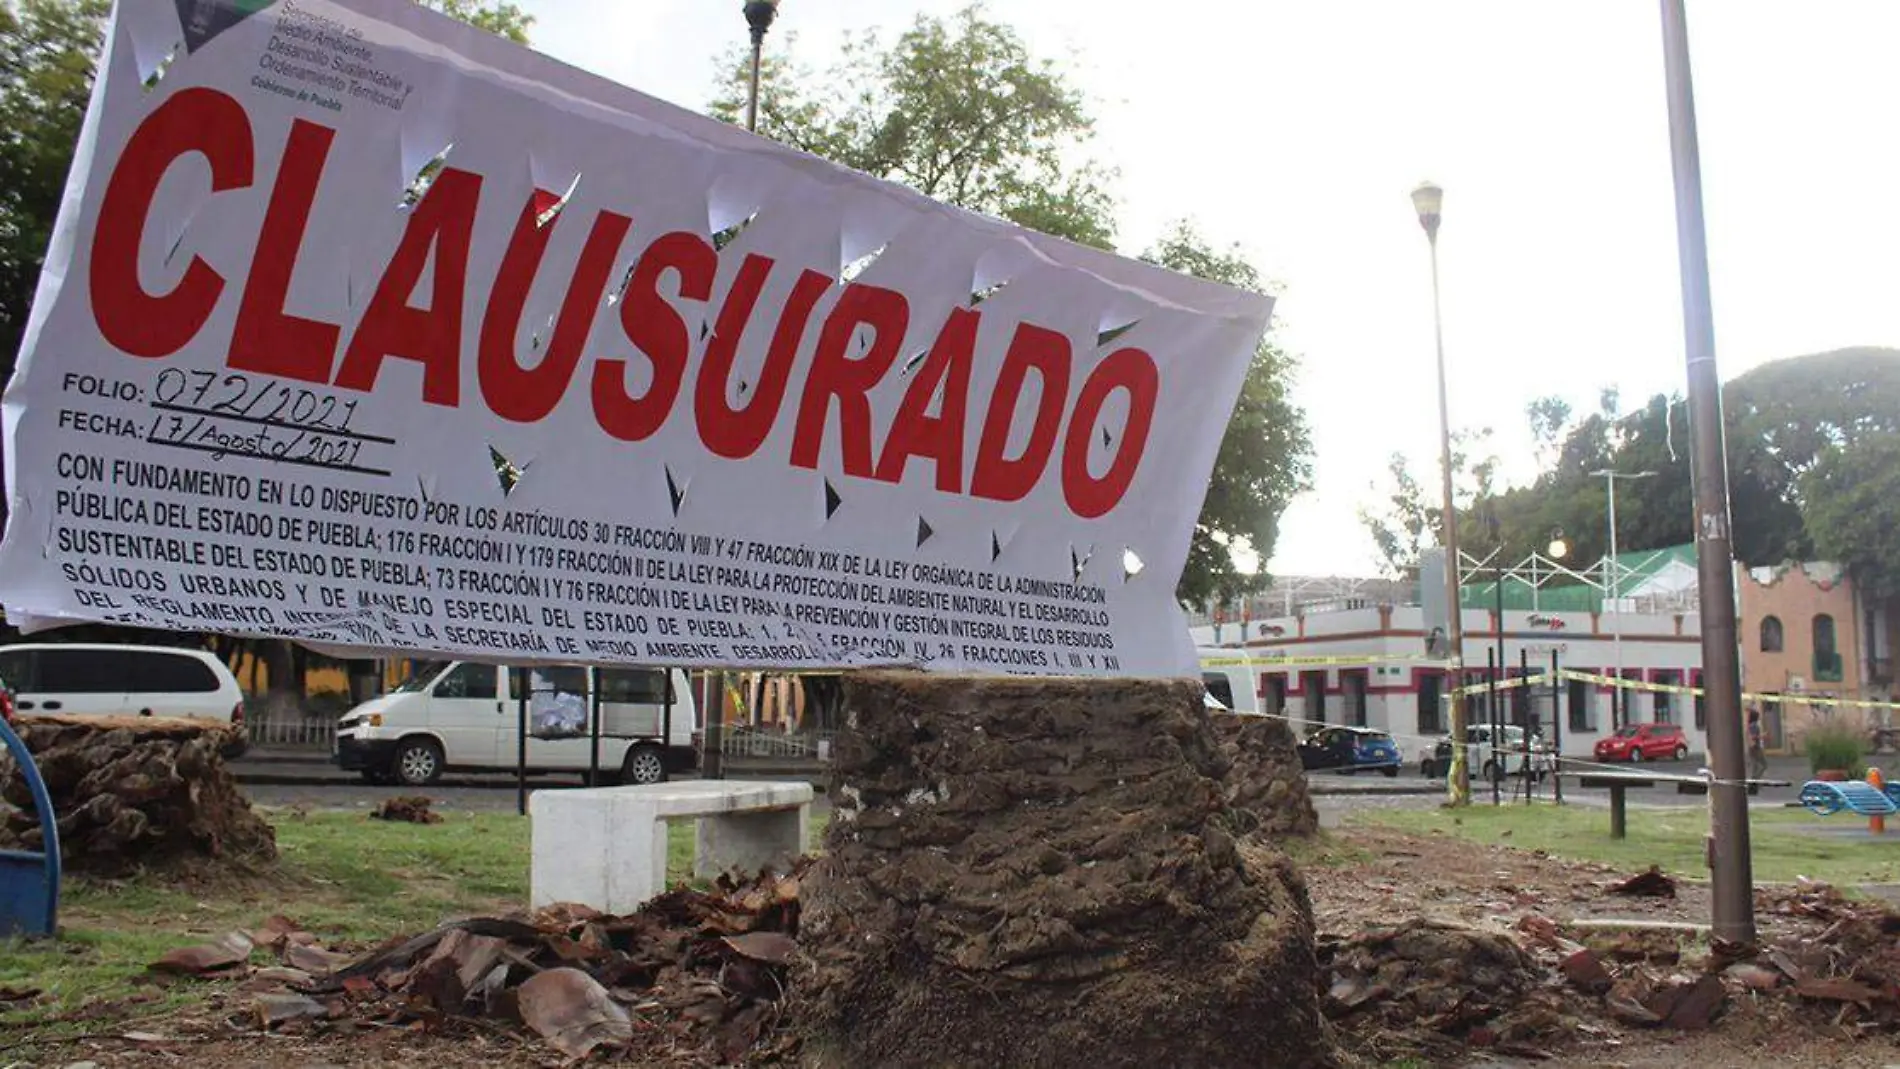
{"type": "Point", "coordinates": [956, 109]}
{"type": "Point", "coordinates": [1411, 518]}
{"type": "Point", "coordinates": [46, 60]}
{"type": "Point", "coordinates": [499, 17]}
{"type": "Point", "coordinates": [1851, 503]}
{"type": "Point", "coordinates": [959, 110]}
{"type": "Point", "coordinates": [1265, 456]}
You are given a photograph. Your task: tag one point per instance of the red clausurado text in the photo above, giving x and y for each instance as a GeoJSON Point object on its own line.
{"type": "Point", "coordinates": [268, 339]}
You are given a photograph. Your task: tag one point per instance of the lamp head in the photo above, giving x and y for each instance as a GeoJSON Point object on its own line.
{"type": "Point", "coordinates": [1558, 548]}
{"type": "Point", "coordinates": [1429, 201]}
{"type": "Point", "coordinates": [759, 15]}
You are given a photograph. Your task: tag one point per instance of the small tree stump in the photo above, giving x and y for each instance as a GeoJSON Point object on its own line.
{"type": "Point", "coordinates": [135, 792]}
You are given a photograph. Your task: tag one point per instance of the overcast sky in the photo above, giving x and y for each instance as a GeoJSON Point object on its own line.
{"type": "Point", "coordinates": [1297, 128]}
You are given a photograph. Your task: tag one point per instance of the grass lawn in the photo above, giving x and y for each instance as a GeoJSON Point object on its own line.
{"type": "Point", "coordinates": [1671, 837]}
{"type": "Point", "coordinates": [341, 875]}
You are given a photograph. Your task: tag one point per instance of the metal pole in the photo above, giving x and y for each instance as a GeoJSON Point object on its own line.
{"type": "Point", "coordinates": [758, 16]}
{"type": "Point", "coordinates": [1524, 673]}
{"type": "Point", "coordinates": [521, 743]}
{"type": "Point", "coordinates": [1459, 789]}
{"type": "Point", "coordinates": [1492, 661]}
{"type": "Point", "coordinates": [1556, 730]}
{"type": "Point", "coordinates": [752, 89]}
{"type": "Point", "coordinates": [593, 701]}
{"type": "Point", "coordinates": [713, 764]}
{"type": "Point", "coordinates": [1619, 705]}
{"type": "Point", "coordinates": [1731, 878]}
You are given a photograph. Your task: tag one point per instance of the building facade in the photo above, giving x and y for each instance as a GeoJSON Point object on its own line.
{"type": "Point", "coordinates": [1807, 635]}
{"type": "Point", "coordinates": [1368, 666]}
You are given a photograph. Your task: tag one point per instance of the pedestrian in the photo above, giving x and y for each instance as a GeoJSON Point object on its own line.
{"type": "Point", "coordinates": [1757, 753]}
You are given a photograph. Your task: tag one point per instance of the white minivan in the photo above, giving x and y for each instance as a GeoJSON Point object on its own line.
{"type": "Point", "coordinates": [93, 679]}
{"type": "Point", "coordinates": [464, 715]}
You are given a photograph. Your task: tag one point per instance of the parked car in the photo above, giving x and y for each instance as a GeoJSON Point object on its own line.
{"type": "Point", "coordinates": [87, 679]}
{"type": "Point", "coordinates": [1350, 750]}
{"type": "Point", "coordinates": [1508, 759]}
{"type": "Point", "coordinates": [1644, 742]}
{"type": "Point", "coordinates": [464, 715]}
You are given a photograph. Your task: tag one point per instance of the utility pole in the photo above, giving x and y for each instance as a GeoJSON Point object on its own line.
{"type": "Point", "coordinates": [1730, 864]}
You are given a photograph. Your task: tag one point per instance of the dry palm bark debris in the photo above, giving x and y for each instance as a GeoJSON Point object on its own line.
{"type": "Point", "coordinates": [135, 793]}
{"type": "Point", "coordinates": [693, 978]}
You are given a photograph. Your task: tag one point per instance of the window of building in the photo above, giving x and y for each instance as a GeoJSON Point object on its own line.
{"type": "Point", "coordinates": [1220, 687]}
{"type": "Point", "coordinates": [1827, 658]}
{"type": "Point", "coordinates": [1771, 638]}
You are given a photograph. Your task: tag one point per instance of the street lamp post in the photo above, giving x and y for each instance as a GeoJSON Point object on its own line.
{"type": "Point", "coordinates": [1429, 200]}
{"type": "Point", "coordinates": [758, 16]}
{"type": "Point", "coordinates": [1619, 699]}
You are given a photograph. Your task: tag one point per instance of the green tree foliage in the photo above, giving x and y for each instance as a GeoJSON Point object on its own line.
{"type": "Point", "coordinates": [1851, 501]}
{"type": "Point", "coordinates": [957, 109]}
{"type": "Point", "coordinates": [1409, 516]}
{"type": "Point", "coordinates": [501, 18]}
{"type": "Point", "coordinates": [1265, 456]}
{"type": "Point", "coordinates": [1804, 435]}
{"type": "Point", "coordinates": [46, 58]}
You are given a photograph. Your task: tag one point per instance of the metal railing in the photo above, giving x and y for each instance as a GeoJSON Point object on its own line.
{"type": "Point", "coordinates": [741, 741]}
{"type": "Point", "coordinates": [292, 734]}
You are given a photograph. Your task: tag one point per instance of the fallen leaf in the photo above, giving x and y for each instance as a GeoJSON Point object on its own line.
{"type": "Point", "coordinates": [1838, 989]}
{"type": "Point", "coordinates": [233, 949]}
{"type": "Point", "coordinates": [145, 1037]}
{"type": "Point", "coordinates": [315, 959]}
{"type": "Point", "coordinates": [274, 1010]}
{"type": "Point", "coordinates": [773, 948]}
{"type": "Point", "coordinates": [573, 1012]}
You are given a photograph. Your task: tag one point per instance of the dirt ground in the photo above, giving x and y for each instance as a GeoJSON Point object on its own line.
{"type": "Point", "coordinates": [1363, 876]}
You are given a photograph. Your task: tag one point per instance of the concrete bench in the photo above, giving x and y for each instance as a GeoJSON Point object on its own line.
{"type": "Point", "coordinates": [605, 847]}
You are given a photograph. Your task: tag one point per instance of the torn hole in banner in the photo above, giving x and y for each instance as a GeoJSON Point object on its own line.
{"type": "Point", "coordinates": [507, 473]}
{"type": "Point", "coordinates": [425, 485]}
{"type": "Point", "coordinates": [547, 206]}
{"type": "Point", "coordinates": [1131, 564]}
{"type": "Point", "coordinates": [725, 235]}
{"type": "Point", "coordinates": [924, 531]}
{"type": "Point", "coordinates": [984, 293]}
{"type": "Point", "coordinates": [850, 271]}
{"type": "Point", "coordinates": [832, 501]}
{"type": "Point", "coordinates": [916, 361]}
{"type": "Point", "coordinates": [618, 291]}
{"type": "Point", "coordinates": [1000, 540]}
{"type": "Point", "coordinates": [1109, 334]}
{"type": "Point", "coordinates": [862, 336]}
{"type": "Point", "coordinates": [424, 177]}
{"type": "Point", "coordinates": [149, 77]}
{"type": "Point", "coordinates": [542, 332]}
{"type": "Point", "coordinates": [1079, 560]}
{"type": "Point", "coordinates": [676, 488]}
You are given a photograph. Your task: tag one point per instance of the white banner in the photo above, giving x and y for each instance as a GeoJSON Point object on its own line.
{"type": "Point", "coordinates": [367, 329]}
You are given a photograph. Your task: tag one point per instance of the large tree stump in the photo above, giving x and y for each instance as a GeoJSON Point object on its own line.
{"type": "Point", "coordinates": [135, 792]}
{"type": "Point", "coordinates": [1265, 778]}
{"type": "Point", "coordinates": [1027, 872]}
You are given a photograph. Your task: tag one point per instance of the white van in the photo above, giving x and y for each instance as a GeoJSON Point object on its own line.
{"type": "Point", "coordinates": [1229, 678]}
{"type": "Point", "coordinates": [86, 679]}
{"type": "Point", "coordinates": [464, 715]}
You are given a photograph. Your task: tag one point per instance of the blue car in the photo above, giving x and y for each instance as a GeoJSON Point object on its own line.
{"type": "Point", "coordinates": [1350, 750]}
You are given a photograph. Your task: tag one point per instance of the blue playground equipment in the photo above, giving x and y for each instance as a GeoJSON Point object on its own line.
{"type": "Point", "coordinates": [1864, 799]}
{"type": "Point", "coordinates": [29, 880]}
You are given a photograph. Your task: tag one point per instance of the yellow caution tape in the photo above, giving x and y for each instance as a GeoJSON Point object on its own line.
{"type": "Point", "coordinates": [1747, 696]}
{"type": "Point", "coordinates": [1225, 661]}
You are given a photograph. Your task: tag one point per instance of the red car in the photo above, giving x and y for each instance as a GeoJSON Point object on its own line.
{"type": "Point", "coordinates": [1644, 742]}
